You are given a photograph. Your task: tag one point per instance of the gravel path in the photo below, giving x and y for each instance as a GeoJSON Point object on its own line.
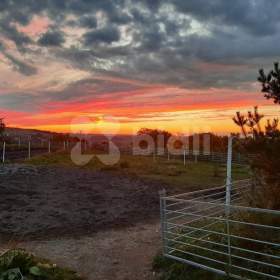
{"type": "Point", "coordinates": [122, 254]}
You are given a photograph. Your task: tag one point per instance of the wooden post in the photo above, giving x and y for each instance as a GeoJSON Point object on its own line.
{"type": "Point", "coordinates": [4, 152]}
{"type": "Point", "coordinates": [49, 147]}
{"type": "Point", "coordinates": [184, 157]}
{"type": "Point", "coordinates": [19, 142]}
{"type": "Point", "coordinates": [29, 149]}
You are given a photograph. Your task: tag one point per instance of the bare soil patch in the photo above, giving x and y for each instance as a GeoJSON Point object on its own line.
{"type": "Point", "coordinates": [121, 254]}
{"type": "Point", "coordinates": [47, 202]}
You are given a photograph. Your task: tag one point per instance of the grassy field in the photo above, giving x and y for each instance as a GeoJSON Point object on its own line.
{"type": "Point", "coordinates": [168, 269]}
{"type": "Point", "coordinates": [172, 173]}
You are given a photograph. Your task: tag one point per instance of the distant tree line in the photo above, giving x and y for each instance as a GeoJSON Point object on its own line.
{"type": "Point", "coordinates": [217, 143]}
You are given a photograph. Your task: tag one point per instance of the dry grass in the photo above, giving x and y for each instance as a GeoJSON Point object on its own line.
{"type": "Point", "coordinates": [173, 172]}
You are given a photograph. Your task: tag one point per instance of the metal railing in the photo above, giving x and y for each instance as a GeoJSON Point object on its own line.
{"type": "Point", "coordinates": [235, 240]}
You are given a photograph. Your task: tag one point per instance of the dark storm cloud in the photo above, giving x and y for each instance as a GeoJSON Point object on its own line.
{"type": "Point", "coordinates": [21, 66]}
{"type": "Point", "coordinates": [86, 89]}
{"type": "Point", "coordinates": [158, 41]}
{"type": "Point", "coordinates": [105, 35]}
{"type": "Point", "coordinates": [25, 101]}
{"type": "Point", "coordinates": [88, 21]}
{"type": "Point", "coordinates": [18, 64]}
{"type": "Point", "coordinates": [256, 17]}
{"type": "Point", "coordinates": [10, 32]}
{"type": "Point", "coordinates": [51, 39]}
{"type": "Point", "coordinates": [78, 91]}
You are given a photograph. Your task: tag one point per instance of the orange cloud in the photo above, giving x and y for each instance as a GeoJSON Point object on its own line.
{"type": "Point", "coordinates": [161, 106]}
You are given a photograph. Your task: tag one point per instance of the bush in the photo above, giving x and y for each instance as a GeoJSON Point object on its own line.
{"type": "Point", "coordinates": [265, 169]}
{"type": "Point", "coordinates": [17, 264]}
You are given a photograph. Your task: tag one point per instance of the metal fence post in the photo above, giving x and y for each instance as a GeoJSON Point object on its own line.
{"type": "Point", "coordinates": [228, 199]}
{"type": "Point", "coordinates": [162, 195]}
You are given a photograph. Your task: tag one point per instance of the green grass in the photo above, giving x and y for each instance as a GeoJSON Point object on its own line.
{"type": "Point", "coordinates": [58, 158]}
{"type": "Point", "coordinates": [18, 262]}
{"type": "Point", "coordinates": [168, 269]}
{"type": "Point", "coordinates": [173, 173]}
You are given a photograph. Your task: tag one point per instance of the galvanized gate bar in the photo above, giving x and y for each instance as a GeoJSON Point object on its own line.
{"type": "Point", "coordinates": [194, 232]}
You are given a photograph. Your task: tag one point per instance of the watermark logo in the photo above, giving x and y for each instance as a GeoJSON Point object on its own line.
{"type": "Point", "coordinates": [143, 142]}
{"type": "Point", "coordinates": [83, 127]}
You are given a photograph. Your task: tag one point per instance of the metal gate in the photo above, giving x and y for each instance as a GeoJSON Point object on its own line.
{"type": "Point", "coordinates": [202, 229]}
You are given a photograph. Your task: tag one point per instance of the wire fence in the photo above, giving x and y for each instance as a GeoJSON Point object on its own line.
{"type": "Point", "coordinates": [26, 150]}
{"type": "Point", "coordinates": [10, 151]}
{"type": "Point", "coordinates": [195, 156]}
{"type": "Point", "coordinates": [236, 240]}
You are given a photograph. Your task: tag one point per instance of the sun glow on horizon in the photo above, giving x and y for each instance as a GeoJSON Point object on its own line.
{"type": "Point", "coordinates": [186, 122]}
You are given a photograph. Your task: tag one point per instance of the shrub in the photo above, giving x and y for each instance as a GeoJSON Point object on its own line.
{"type": "Point", "coordinates": [264, 144]}
{"type": "Point", "coordinates": [17, 264]}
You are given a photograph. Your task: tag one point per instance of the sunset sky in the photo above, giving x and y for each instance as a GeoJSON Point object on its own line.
{"type": "Point", "coordinates": [121, 65]}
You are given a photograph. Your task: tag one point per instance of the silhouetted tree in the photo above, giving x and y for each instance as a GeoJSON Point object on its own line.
{"type": "Point", "coordinates": [271, 83]}
{"type": "Point", "coordinates": [241, 121]}
{"type": "Point", "coordinates": [264, 144]}
{"type": "Point", "coordinates": [271, 128]}
{"type": "Point", "coordinates": [252, 120]}
{"type": "Point", "coordinates": [256, 117]}
{"type": "Point", "coordinates": [155, 133]}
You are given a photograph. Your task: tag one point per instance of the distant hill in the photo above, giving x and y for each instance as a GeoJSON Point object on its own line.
{"type": "Point", "coordinates": [13, 133]}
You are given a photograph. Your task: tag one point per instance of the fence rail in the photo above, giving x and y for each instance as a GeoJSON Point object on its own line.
{"type": "Point", "coordinates": [235, 240]}
{"type": "Point", "coordinates": [28, 149]}
{"type": "Point", "coordinates": [10, 152]}
{"type": "Point", "coordinates": [189, 155]}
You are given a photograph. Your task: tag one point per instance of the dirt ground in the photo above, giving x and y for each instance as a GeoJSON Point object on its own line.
{"type": "Point", "coordinates": [105, 226]}
{"type": "Point", "coordinates": [122, 254]}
